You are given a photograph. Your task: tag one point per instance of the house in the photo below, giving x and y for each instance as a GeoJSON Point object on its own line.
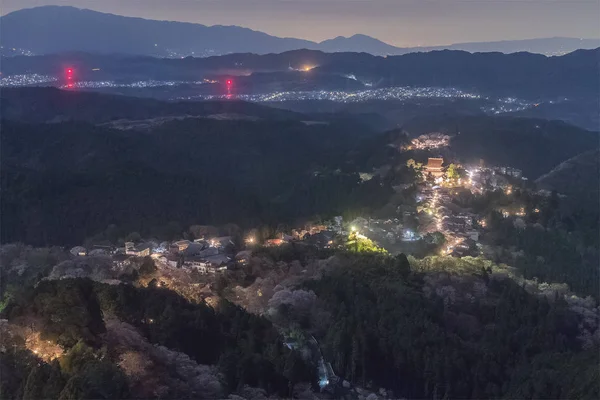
{"type": "Point", "coordinates": [170, 260]}
{"type": "Point", "coordinates": [211, 264]}
{"type": "Point", "coordinates": [121, 261]}
{"type": "Point", "coordinates": [78, 251]}
{"type": "Point", "coordinates": [218, 262]}
{"type": "Point", "coordinates": [105, 248]}
{"type": "Point", "coordinates": [323, 239]}
{"type": "Point", "coordinates": [314, 229]}
{"type": "Point", "coordinates": [142, 250]}
{"type": "Point", "coordinates": [514, 172]}
{"type": "Point", "coordinates": [200, 251]}
{"type": "Point", "coordinates": [198, 264]}
{"type": "Point", "coordinates": [243, 257]}
{"type": "Point", "coordinates": [473, 235]}
{"type": "Point", "coordinates": [193, 248]}
{"type": "Point", "coordinates": [180, 245]}
{"type": "Point", "coordinates": [434, 167]}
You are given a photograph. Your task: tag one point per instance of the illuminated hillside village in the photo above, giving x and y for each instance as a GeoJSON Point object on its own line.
{"type": "Point", "coordinates": [434, 216]}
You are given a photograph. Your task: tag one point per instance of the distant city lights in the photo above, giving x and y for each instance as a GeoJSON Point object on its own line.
{"type": "Point", "coordinates": [390, 93]}
{"type": "Point", "coordinates": [25, 80]}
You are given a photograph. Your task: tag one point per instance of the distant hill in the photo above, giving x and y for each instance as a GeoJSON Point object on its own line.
{"type": "Point", "coordinates": [577, 177]}
{"type": "Point", "coordinates": [519, 74]}
{"type": "Point", "coordinates": [52, 105]}
{"type": "Point", "coordinates": [52, 29]}
{"type": "Point", "coordinates": [547, 46]}
{"type": "Point", "coordinates": [358, 43]}
{"type": "Point", "coordinates": [525, 75]}
{"type": "Point", "coordinates": [39, 105]}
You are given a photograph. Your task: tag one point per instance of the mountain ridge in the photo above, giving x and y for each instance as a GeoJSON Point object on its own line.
{"type": "Point", "coordinates": [65, 28]}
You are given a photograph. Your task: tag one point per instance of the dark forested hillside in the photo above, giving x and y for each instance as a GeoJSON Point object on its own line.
{"type": "Point", "coordinates": [246, 349]}
{"type": "Point", "coordinates": [577, 177]}
{"type": "Point", "coordinates": [85, 177]}
{"type": "Point", "coordinates": [492, 341]}
{"type": "Point", "coordinates": [54, 105]}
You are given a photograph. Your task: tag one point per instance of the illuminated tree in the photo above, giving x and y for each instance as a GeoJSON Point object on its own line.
{"type": "Point", "coordinates": [360, 244]}
{"type": "Point", "coordinates": [414, 165]}
{"type": "Point", "coordinates": [454, 172]}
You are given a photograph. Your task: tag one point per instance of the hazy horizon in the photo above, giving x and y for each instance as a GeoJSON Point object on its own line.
{"type": "Point", "coordinates": [401, 23]}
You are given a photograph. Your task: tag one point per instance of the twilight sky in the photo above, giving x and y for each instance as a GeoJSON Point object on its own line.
{"type": "Point", "coordinates": [398, 22]}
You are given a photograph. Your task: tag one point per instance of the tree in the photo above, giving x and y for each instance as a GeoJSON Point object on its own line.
{"type": "Point", "coordinates": [294, 370]}
{"type": "Point", "coordinates": [77, 358]}
{"type": "Point", "coordinates": [98, 380]}
{"type": "Point", "coordinates": [133, 237]}
{"type": "Point", "coordinates": [112, 233]}
{"type": "Point", "coordinates": [403, 264]}
{"type": "Point", "coordinates": [414, 165]}
{"type": "Point", "coordinates": [70, 311]}
{"type": "Point", "coordinates": [148, 266]}
{"type": "Point", "coordinates": [45, 381]}
{"type": "Point", "coordinates": [453, 172]}
{"type": "Point", "coordinates": [360, 244]}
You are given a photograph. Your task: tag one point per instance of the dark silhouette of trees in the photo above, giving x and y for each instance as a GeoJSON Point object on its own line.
{"type": "Point", "coordinates": [505, 344]}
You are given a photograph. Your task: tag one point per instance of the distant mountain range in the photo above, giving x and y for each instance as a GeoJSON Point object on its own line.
{"type": "Point", "coordinates": [54, 29]}
{"type": "Point", "coordinates": [525, 75]}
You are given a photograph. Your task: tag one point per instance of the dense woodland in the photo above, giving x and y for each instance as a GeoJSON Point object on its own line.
{"type": "Point", "coordinates": [503, 344]}
{"type": "Point", "coordinates": [245, 347]}
{"type": "Point", "coordinates": [432, 328]}
{"type": "Point", "coordinates": [195, 171]}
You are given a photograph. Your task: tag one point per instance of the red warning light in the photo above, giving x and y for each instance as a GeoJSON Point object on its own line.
{"type": "Point", "coordinates": [229, 81]}
{"type": "Point", "coordinates": [69, 71]}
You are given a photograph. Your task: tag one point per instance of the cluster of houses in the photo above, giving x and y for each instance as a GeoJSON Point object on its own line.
{"type": "Point", "coordinates": [495, 178]}
{"type": "Point", "coordinates": [204, 255]}
{"type": "Point", "coordinates": [509, 171]}
{"type": "Point", "coordinates": [464, 237]}
{"type": "Point", "coordinates": [456, 224]}
{"type": "Point", "coordinates": [390, 230]}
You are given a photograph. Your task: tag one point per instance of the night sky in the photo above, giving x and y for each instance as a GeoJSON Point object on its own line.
{"type": "Point", "coordinates": [398, 22]}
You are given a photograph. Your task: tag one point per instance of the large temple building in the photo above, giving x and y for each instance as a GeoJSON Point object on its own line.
{"type": "Point", "coordinates": [434, 167]}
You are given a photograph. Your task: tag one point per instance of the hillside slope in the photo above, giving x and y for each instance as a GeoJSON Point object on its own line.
{"type": "Point", "coordinates": [32, 104]}
{"type": "Point", "coordinates": [577, 177]}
